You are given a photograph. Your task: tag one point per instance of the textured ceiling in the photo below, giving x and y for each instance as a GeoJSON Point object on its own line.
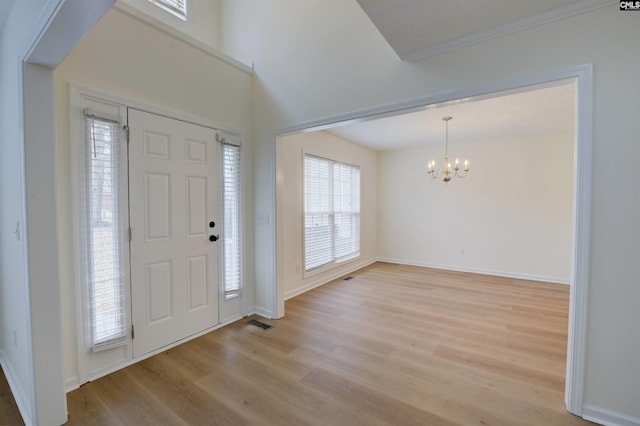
{"type": "Point", "coordinates": [533, 112]}
{"type": "Point", "coordinates": [416, 29]}
{"type": "Point", "coordinates": [5, 9]}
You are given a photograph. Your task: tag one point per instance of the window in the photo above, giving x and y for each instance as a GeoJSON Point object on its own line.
{"type": "Point", "coordinates": [331, 212]}
{"type": "Point", "coordinates": [103, 232]}
{"type": "Point", "coordinates": [232, 272]}
{"type": "Point", "coordinates": [175, 7]}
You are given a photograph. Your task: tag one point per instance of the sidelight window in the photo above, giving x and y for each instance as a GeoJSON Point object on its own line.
{"type": "Point", "coordinates": [231, 240]}
{"type": "Point", "coordinates": [103, 231]}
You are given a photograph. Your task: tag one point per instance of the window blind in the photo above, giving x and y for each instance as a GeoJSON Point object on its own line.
{"type": "Point", "coordinates": [175, 7]}
{"type": "Point", "coordinates": [331, 211]}
{"type": "Point", "coordinates": [102, 233]}
{"type": "Point", "coordinates": [231, 237]}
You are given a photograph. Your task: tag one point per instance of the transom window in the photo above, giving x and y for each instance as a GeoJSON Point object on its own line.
{"type": "Point", "coordinates": [175, 7]}
{"type": "Point", "coordinates": [331, 212]}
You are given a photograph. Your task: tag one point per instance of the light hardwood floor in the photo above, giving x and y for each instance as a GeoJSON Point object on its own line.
{"type": "Point", "coordinates": [9, 413]}
{"type": "Point", "coordinates": [395, 345]}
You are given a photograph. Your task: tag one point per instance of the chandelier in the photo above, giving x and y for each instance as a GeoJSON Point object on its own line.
{"type": "Point", "coordinates": [447, 172]}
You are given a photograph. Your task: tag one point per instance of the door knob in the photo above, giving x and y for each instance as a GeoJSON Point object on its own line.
{"type": "Point", "coordinates": [214, 237]}
{"type": "Point", "coordinates": [212, 224]}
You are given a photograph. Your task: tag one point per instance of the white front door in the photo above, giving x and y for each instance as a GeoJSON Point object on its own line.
{"type": "Point", "coordinates": [174, 211]}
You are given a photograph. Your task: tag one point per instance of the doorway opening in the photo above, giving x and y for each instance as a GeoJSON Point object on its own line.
{"type": "Point", "coordinates": [576, 82]}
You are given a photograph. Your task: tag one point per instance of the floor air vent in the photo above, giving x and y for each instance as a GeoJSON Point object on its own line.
{"type": "Point", "coordinates": [348, 278]}
{"type": "Point", "coordinates": [260, 324]}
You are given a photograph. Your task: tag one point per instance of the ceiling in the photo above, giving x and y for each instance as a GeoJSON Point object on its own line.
{"type": "Point", "coordinates": [541, 110]}
{"type": "Point", "coordinates": [5, 9]}
{"type": "Point", "coordinates": [417, 29]}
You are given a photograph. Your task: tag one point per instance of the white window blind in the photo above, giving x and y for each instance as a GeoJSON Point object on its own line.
{"type": "Point", "coordinates": [175, 7]}
{"type": "Point", "coordinates": [102, 234]}
{"type": "Point", "coordinates": [231, 236]}
{"type": "Point", "coordinates": [331, 212]}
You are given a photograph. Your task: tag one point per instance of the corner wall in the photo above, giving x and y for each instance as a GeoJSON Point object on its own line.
{"type": "Point", "coordinates": [15, 333]}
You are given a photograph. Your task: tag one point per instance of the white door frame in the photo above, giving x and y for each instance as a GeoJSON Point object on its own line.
{"type": "Point", "coordinates": [61, 25]}
{"type": "Point", "coordinates": [583, 77]}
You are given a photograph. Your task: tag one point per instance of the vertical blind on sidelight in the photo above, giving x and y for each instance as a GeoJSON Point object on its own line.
{"type": "Point", "coordinates": [331, 211]}
{"type": "Point", "coordinates": [231, 237]}
{"type": "Point", "coordinates": [102, 233]}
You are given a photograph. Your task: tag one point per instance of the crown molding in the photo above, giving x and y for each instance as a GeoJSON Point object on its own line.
{"type": "Point", "coordinates": [512, 27]}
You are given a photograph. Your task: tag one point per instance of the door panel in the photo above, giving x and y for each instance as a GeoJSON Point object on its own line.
{"type": "Point", "coordinates": [197, 281]}
{"type": "Point", "coordinates": [173, 178]}
{"type": "Point", "coordinates": [196, 207]}
{"type": "Point", "coordinates": [159, 291]}
{"type": "Point", "coordinates": [157, 206]}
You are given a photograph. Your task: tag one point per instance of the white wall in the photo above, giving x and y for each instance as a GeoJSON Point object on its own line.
{"type": "Point", "coordinates": [511, 216]}
{"type": "Point", "coordinates": [128, 59]}
{"type": "Point", "coordinates": [321, 59]}
{"type": "Point", "coordinates": [325, 145]}
{"type": "Point", "coordinates": [14, 314]}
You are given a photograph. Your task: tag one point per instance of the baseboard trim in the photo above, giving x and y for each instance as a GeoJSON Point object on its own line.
{"type": "Point", "coordinates": [608, 417]}
{"type": "Point", "coordinates": [260, 311]}
{"type": "Point", "coordinates": [22, 401]}
{"type": "Point", "coordinates": [337, 274]}
{"type": "Point", "coordinates": [71, 383]}
{"type": "Point", "coordinates": [505, 274]}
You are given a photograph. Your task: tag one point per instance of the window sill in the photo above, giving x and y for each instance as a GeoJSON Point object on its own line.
{"type": "Point", "coordinates": [329, 266]}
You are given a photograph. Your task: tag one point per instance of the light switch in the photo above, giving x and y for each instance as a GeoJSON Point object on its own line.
{"type": "Point", "coordinates": [263, 218]}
